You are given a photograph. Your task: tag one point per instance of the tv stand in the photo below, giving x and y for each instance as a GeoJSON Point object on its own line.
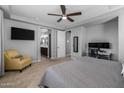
{"type": "Point", "coordinates": [101, 54]}
{"type": "Point", "coordinates": [93, 52]}
{"type": "Point", "coordinates": [105, 55]}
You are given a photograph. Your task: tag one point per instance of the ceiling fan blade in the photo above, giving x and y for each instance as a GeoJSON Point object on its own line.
{"type": "Point", "coordinates": [54, 14]}
{"type": "Point", "coordinates": [59, 20]}
{"type": "Point", "coordinates": [70, 19]}
{"type": "Point", "coordinates": [74, 14]}
{"type": "Point", "coordinates": [63, 9]}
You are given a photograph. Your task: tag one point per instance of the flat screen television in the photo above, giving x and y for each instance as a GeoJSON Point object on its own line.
{"type": "Point", "coordinates": [99, 45]}
{"type": "Point", "coordinates": [21, 34]}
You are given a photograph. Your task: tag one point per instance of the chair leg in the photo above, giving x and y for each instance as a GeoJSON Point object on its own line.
{"type": "Point", "coordinates": [30, 65]}
{"type": "Point", "coordinates": [45, 86]}
{"type": "Point", "coordinates": [20, 70]}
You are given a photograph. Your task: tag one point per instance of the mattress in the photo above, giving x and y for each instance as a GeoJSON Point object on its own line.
{"type": "Point", "coordinates": [84, 72]}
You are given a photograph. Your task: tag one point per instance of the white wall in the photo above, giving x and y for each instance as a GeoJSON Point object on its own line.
{"type": "Point", "coordinates": [94, 33]}
{"type": "Point", "coordinates": [53, 44]}
{"type": "Point", "coordinates": [23, 46]}
{"type": "Point", "coordinates": [121, 37]}
{"type": "Point", "coordinates": [102, 32]}
{"type": "Point", "coordinates": [107, 32]}
{"type": "Point", "coordinates": [80, 32]}
{"type": "Point", "coordinates": [28, 47]}
{"type": "Point", "coordinates": [111, 35]}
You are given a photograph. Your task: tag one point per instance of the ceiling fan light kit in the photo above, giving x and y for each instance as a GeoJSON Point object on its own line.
{"type": "Point", "coordinates": [65, 16]}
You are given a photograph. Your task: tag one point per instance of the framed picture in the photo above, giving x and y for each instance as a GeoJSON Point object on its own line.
{"type": "Point", "coordinates": [75, 44]}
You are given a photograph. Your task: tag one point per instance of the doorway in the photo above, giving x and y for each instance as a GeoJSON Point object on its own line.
{"type": "Point", "coordinates": [60, 44]}
{"type": "Point", "coordinates": [44, 43]}
{"type": "Point", "coordinates": [68, 43]}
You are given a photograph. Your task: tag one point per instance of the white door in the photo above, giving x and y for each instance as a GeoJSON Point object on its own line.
{"type": "Point", "coordinates": [60, 44]}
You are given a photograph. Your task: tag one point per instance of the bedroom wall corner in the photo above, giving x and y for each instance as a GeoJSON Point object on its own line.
{"type": "Point", "coordinates": [23, 46]}
{"type": "Point", "coordinates": [121, 37]}
{"type": "Point", "coordinates": [104, 32]}
{"type": "Point", "coordinates": [81, 33]}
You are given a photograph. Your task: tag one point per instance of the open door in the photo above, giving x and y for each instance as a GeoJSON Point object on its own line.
{"type": "Point", "coordinates": [60, 44]}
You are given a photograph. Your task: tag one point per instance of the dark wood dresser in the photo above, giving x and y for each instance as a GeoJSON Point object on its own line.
{"type": "Point", "coordinates": [44, 51]}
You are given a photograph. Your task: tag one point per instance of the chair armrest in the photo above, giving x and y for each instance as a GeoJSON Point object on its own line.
{"type": "Point", "coordinates": [27, 56]}
{"type": "Point", "coordinates": [15, 60]}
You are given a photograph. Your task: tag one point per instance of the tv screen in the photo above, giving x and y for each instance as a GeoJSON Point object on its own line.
{"type": "Point", "coordinates": [21, 34]}
{"type": "Point", "coordinates": [99, 45]}
{"type": "Point", "coordinates": [105, 45]}
{"type": "Point", "coordinates": [93, 45]}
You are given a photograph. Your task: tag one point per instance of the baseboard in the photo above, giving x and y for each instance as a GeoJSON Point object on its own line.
{"type": "Point", "coordinates": [53, 58]}
{"type": "Point", "coordinates": [34, 61]}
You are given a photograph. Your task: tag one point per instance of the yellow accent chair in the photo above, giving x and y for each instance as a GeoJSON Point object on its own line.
{"type": "Point", "coordinates": [15, 61]}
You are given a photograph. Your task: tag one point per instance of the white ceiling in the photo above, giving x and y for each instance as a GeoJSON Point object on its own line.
{"type": "Point", "coordinates": [38, 13]}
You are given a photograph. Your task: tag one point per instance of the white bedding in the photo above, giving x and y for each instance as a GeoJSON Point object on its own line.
{"type": "Point", "coordinates": [84, 72]}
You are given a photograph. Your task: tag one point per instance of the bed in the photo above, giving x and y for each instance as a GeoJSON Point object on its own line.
{"type": "Point", "coordinates": [84, 72]}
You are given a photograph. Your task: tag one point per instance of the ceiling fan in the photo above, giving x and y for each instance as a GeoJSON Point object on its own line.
{"type": "Point", "coordinates": [65, 16]}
